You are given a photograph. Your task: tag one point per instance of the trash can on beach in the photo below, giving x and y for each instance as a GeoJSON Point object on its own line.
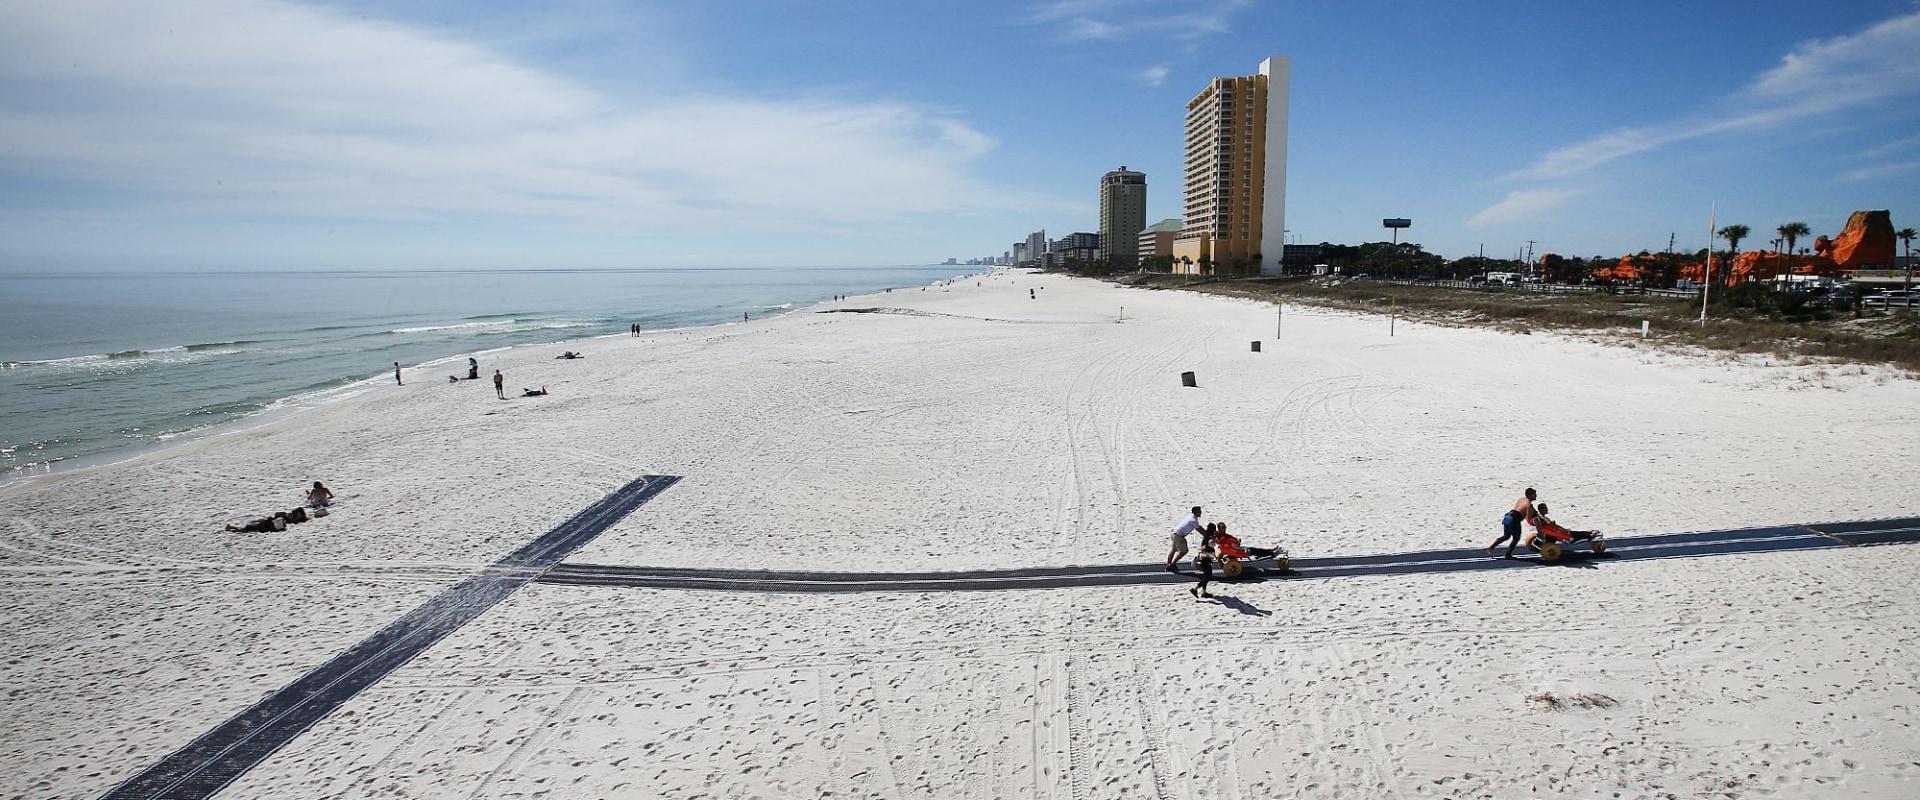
{"type": "Point", "coordinates": [1186, 379]}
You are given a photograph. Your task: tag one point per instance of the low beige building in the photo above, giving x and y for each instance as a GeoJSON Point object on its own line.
{"type": "Point", "coordinates": [1157, 239]}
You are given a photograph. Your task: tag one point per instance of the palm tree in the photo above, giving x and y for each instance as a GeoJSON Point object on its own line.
{"type": "Point", "coordinates": [1733, 234]}
{"type": "Point", "coordinates": [1792, 232]}
{"type": "Point", "coordinates": [1905, 235]}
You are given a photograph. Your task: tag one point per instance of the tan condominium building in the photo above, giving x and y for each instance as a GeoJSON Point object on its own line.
{"type": "Point", "coordinates": [1236, 175]}
{"type": "Point", "coordinates": [1123, 212]}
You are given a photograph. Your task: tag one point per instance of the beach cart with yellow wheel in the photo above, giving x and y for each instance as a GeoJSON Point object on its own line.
{"type": "Point", "coordinates": [1237, 559]}
{"type": "Point", "coordinates": [1554, 539]}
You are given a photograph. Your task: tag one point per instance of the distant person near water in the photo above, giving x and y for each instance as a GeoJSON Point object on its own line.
{"type": "Point", "coordinates": [500, 384]}
{"type": "Point", "coordinates": [396, 374]}
{"type": "Point", "coordinates": [1180, 531]}
{"type": "Point", "coordinates": [1522, 511]}
{"type": "Point", "coordinates": [473, 368]}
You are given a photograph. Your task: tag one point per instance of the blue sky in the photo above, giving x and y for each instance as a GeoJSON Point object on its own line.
{"type": "Point", "coordinates": [295, 135]}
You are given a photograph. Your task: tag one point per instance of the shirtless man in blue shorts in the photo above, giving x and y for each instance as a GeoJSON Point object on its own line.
{"type": "Point", "coordinates": [1522, 511]}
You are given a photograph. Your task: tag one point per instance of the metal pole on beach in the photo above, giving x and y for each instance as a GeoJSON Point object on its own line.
{"type": "Point", "coordinates": [1706, 285]}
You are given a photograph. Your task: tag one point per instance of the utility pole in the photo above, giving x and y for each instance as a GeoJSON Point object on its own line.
{"type": "Point", "coordinates": [1530, 270]}
{"type": "Point", "coordinates": [1671, 267]}
{"type": "Point", "coordinates": [1706, 282]}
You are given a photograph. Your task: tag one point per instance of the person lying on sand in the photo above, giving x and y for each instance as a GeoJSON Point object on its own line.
{"type": "Point", "coordinates": [540, 392]}
{"type": "Point", "coordinates": [277, 522]}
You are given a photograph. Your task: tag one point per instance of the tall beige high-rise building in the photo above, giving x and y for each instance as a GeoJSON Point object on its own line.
{"type": "Point", "coordinates": [1123, 214]}
{"type": "Point", "coordinates": [1236, 175]}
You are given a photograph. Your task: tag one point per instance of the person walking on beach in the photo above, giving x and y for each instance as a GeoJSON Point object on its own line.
{"type": "Point", "coordinates": [1522, 511]}
{"type": "Point", "coordinates": [1205, 562]}
{"type": "Point", "coordinates": [1180, 531]}
{"type": "Point", "coordinates": [396, 374]}
{"type": "Point", "coordinates": [500, 384]}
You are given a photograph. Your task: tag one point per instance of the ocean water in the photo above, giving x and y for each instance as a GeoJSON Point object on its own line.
{"type": "Point", "coordinates": [94, 367]}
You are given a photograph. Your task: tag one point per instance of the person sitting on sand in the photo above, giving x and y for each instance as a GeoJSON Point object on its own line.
{"type": "Point", "coordinates": [319, 495]}
{"type": "Point", "coordinates": [540, 392]}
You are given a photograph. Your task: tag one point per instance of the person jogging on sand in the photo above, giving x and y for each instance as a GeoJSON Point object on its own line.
{"type": "Point", "coordinates": [1180, 531]}
{"type": "Point", "coordinates": [1522, 511]}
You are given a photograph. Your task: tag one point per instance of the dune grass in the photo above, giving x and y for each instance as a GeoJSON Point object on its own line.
{"type": "Point", "coordinates": [1753, 321]}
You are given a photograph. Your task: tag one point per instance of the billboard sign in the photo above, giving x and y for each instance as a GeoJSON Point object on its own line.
{"type": "Point", "coordinates": [1396, 223]}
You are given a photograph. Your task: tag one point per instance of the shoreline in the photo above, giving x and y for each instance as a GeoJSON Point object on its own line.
{"type": "Point", "coordinates": [277, 409]}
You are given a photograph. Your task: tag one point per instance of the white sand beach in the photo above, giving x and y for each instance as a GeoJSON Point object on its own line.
{"type": "Point", "coordinates": [978, 426]}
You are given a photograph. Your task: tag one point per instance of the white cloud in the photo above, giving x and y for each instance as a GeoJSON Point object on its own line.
{"type": "Point", "coordinates": [1521, 206]}
{"type": "Point", "coordinates": [1104, 20]}
{"type": "Point", "coordinates": [1153, 76]}
{"type": "Point", "coordinates": [1879, 172]}
{"type": "Point", "coordinates": [276, 109]}
{"type": "Point", "coordinates": [1820, 77]}
{"type": "Point", "coordinates": [1892, 148]}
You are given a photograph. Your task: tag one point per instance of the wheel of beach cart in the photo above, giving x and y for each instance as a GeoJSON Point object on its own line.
{"type": "Point", "coordinates": [1283, 565]}
{"type": "Point", "coordinates": [1232, 569]}
{"type": "Point", "coordinates": [1549, 552]}
{"type": "Point", "coordinates": [1599, 546]}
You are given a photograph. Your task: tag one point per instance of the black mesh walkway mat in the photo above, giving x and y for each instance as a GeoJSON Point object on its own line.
{"type": "Point", "coordinates": [209, 763]}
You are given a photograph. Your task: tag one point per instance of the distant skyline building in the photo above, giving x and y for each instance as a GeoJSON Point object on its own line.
{"type": "Point", "coordinates": [1236, 174]}
{"type": "Point", "coordinates": [1077, 246]}
{"type": "Point", "coordinates": [1123, 213]}
{"type": "Point", "coordinates": [1037, 247]}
